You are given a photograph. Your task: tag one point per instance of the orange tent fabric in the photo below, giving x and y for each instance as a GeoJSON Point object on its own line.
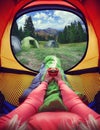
{"type": "Point", "coordinates": [88, 82]}
{"type": "Point", "coordinates": [89, 8]}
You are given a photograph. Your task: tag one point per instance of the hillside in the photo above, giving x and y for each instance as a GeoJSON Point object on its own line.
{"type": "Point", "coordinates": [49, 32]}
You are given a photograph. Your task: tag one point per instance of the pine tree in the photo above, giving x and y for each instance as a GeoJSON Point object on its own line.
{"type": "Point", "coordinates": [72, 34]}
{"type": "Point", "coordinates": [21, 33]}
{"type": "Point", "coordinates": [15, 31]}
{"type": "Point", "coordinates": [65, 35]}
{"type": "Point", "coordinates": [80, 32]}
{"type": "Point", "coordinates": [61, 37]}
{"type": "Point", "coordinates": [68, 34]}
{"type": "Point", "coordinates": [29, 29]}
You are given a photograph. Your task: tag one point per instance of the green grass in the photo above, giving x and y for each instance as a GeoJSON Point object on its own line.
{"type": "Point", "coordinates": [24, 61]}
{"type": "Point", "coordinates": [69, 54]}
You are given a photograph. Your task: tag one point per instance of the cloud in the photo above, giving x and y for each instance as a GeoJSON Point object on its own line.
{"type": "Point", "coordinates": [37, 24]}
{"type": "Point", "coordinates": [49, 19]}
{"type": "Point", "coordinates": [21, 20]}
{"type": "Point", "coordinates": [66, 17]}
{"type": "Point", "coordinates": [40, 16]}
{"type": "Point", "coordinates": [54, 19]}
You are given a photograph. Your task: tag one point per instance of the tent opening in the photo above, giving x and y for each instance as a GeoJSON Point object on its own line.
{"type": "Point", "coordinates": [46, 31]}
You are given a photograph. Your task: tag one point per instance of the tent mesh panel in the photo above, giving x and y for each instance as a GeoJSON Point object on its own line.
{"type": "Point", "coordinates": [88, 84]}
{"type": "Point", "coordinates": [13, 85]}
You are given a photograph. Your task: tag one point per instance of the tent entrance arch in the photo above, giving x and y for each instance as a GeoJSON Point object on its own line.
{"type": "Point", "coordinates": [58, 27]}
{"type": "Point", "coordinates": [80, 77]}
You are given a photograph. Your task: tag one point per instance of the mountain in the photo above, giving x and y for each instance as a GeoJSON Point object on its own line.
{"type": "Point", "coordinates": [51, 31]}
{"type": "Point", "coordinates": [47, 32]}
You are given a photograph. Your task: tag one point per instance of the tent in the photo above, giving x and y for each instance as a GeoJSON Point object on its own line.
{"type": "Point", "coordinates": [29, 42]}
{"type": "Point", "coordinates": [51, 43]}
{"type": "Point", "coordinates": [85, 77]}
{"type": "Point", "coordinates": [16, 45]}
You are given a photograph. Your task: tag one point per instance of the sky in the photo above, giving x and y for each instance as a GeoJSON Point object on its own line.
{"type": "Point", "coordinates": [44, 19]}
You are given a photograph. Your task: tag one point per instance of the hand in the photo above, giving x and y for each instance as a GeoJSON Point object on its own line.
{"type": "Point", "coordinates": [58, 77]}
{"type": "Point", "coordinates": [47, 77]}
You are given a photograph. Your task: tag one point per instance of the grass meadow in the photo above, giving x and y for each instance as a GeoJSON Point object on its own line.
{"type": "Point", "coordinates": [69, 54]}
